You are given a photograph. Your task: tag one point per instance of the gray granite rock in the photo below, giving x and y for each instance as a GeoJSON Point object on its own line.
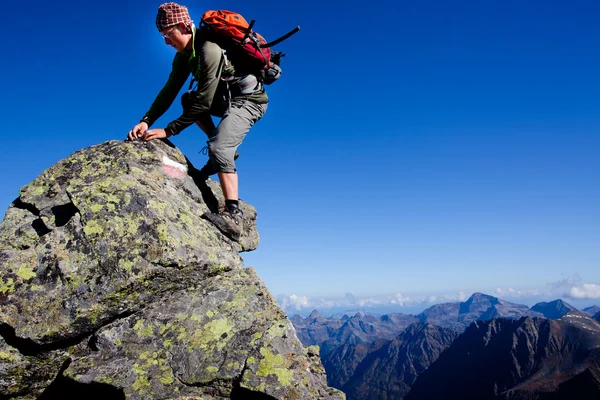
{"type": "Point", "coordinates": [112, 282]}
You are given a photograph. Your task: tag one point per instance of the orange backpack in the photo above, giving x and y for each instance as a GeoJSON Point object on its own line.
{"type": "Point", "coordinates": [234, 34]}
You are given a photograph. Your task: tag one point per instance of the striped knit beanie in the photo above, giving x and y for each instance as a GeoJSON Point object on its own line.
{"type": "Point", "coordinates": [170, 14]}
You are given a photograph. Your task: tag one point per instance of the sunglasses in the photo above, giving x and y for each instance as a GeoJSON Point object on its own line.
{"type": "Point", "coordinates": [168, 34]}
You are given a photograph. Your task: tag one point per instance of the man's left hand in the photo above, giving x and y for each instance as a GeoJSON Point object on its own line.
{"type": "Point", "coordinates": [152, 134]}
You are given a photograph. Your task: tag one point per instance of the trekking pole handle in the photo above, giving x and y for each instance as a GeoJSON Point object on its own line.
{"type": "Point", "coordinates": [281, 39]}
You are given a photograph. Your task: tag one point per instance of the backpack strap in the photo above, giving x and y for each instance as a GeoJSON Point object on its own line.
{"type": "Point", "coordinates": [222, 63]}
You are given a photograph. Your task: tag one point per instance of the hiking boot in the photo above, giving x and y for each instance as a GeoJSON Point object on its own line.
{"type": "Point", "coordinates": [230, 223]}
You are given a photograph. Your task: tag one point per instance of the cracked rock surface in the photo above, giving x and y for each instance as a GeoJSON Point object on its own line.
{"type": "Point", "coordinates": [112, 285]}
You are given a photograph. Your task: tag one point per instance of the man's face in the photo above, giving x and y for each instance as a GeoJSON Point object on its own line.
{"type": "Point", "coordinates": [175, 37]}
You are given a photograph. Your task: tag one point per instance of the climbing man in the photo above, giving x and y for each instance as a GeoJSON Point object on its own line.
{"type": "Point", "coordinates": [223, 89]}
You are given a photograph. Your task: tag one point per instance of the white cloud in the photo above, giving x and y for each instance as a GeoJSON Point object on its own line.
{"type": "Point", "coordinates": [322, 303]}
{"type": "Point", "coordinates": [573, 287]}
{"type": "Point", "coordinates": [297, 303]}
{"type": "Point", "coordinates": [502, 292]}
{"type": "Point", "coordinates": [567, 282]}
{"type": "Point", "coordinates": [447, 298]}
{"type": "Point", "coordinates": [400, 300]}
{"type": "Point", "coordinates": [293, 302]}
{"type": "Point", "coordinates": [510, 292]}
{"type": "Point", "coordinates": [368, 302]}
{"type": "Point", "coordinates": [585, 291]}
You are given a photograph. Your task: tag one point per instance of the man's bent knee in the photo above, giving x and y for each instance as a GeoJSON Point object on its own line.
{"type": "Point", "coordinates": [223, 158]}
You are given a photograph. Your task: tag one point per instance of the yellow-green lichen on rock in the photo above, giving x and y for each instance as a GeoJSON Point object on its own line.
{"type": "Point", "coordinates": [7, 285]}
{"type": "Point", "coordinates": [205, 344]}
{"type": "Point", "coordinates": [107, 262]}
{"type": "Point", "coordinates": [274, 364]}
{"type": "Point", "coordinates": [25, 272]}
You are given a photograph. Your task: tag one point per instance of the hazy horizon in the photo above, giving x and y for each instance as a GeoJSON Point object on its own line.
{"type": "Point", "coordinates": [414, 303]}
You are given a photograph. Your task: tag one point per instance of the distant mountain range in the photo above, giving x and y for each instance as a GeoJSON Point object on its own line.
{"type": "Point", "coordinates": [316, 328]}
{"type": "Point", "coordinates": [330, 333]}
{"type": "Point", "coordinates": [382, 357]}
{"type": "Point", "coordinates": [479, 307]}
{"type": "Point", "coordinates": [528, 358]}
{"type": "Point", "coordinates": [389, 372]}
{"type": "Point", "coordinates": [591, 311]}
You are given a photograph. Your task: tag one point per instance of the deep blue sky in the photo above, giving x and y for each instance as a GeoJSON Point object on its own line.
{"type": "Point", "coordinates": [410, 147]}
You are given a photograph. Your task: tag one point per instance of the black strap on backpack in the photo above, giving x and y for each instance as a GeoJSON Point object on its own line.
{"type": "Point", "coordinates": [281, 39]}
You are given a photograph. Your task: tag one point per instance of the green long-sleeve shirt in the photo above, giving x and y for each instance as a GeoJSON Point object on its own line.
{"type": "Point", "coordinates": [205, 62]}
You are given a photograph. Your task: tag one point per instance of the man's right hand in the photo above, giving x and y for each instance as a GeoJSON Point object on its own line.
{"type": "Point", "coordinates": [137, 131]}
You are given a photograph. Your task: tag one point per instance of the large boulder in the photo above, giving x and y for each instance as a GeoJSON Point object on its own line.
{"type": "Point", "coordinates": [113, 285]}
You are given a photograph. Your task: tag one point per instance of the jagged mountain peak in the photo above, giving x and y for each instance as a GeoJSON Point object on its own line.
{"type": "Point", "coordinates": [478, 296]}
{"type": "Point", "coordinates": [553, 309]}
{"type": "Point", "coordinates": [442, 308]}
{"type": "Point", "coordinates": [478, 300]}
{"type": "Point", "coordinates": [591, 311]}
{"type": "Point", "coordinates": [315, 315]}
{"type": "Point", "coordinates": [362, 315]}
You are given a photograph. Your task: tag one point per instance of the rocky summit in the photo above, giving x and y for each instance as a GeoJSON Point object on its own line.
{"type": "Point", "coordinates": [113, 286]}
